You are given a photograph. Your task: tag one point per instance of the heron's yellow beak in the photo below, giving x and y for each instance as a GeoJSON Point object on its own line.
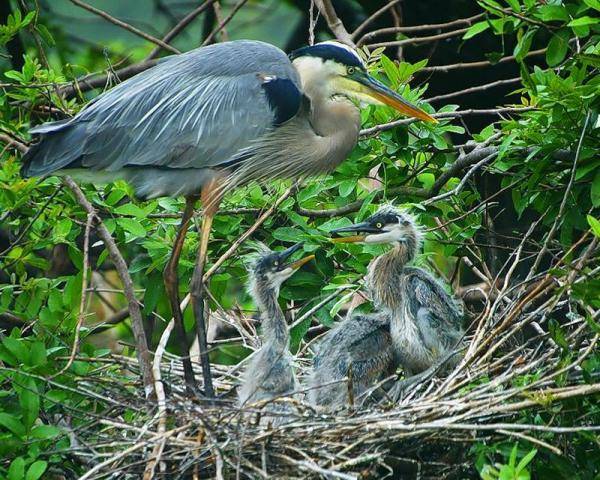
{"type": "Point", "coordinates": [365, 85]}
{"type": "Point", "coordinates": [298, 263]}
{"type": "Point", "coordinates": [351, 239]}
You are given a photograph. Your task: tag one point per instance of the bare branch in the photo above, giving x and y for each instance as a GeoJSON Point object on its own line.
{"type": "Point", "coordinates": [334, 22]}
{"type": "Point", "coordinates": [124, 25]}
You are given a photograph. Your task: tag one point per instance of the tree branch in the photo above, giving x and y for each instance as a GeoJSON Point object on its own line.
{"type": "Point", "coordinates": [135, 313]}
{"type": "Point", "coordinates": [126, 26]}
{"type": "Point", "coordinates": [334, 22]}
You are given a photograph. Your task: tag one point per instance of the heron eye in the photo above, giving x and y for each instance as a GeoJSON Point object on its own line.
{"type": "Point", "coordinates": [379, 225]}
{"type": "Point", "coordinates": [350, 70]}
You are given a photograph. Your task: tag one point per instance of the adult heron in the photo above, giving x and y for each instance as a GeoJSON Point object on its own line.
{"type": "Point", "coordinates": [209, 120]}
{"type": "Point", "coordinates": [426, 322]}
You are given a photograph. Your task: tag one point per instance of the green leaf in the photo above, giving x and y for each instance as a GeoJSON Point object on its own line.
{"type": "Point", "coordinates": [38, 354]}
{"type": "Point", "coordinates": [132, 226]}
{"type": "Point", "coordinates": [549, 13]}
{"type": "Point", "coordinates": [30, 403]}
{"type": "Point", "coordinates": [526, 460]}
{"type": "Point", "coordinates": [36, 470]}
{"type": "Point", "coordinates": [476, 29]}
{"type": "Point", "coordinates": [557, 48]}
{"type": "Point", "coordinates": [514, 4]}
{"type": "Point", "coordinates": [595, 190]}
{"type": "Point", "coordinates": [16, 471]}
{"type": "Point", "coordinates": [44, 432]}
{"type": "Point", "coordinates": [12, 424]}
{"type": "Point", "coordinates": [17, 348]}
{"type": "Point", "coordinates": [583, 21]}
{"type": "Point", "coordinates": [594, 224]}
{"type": "Point", "coordinates": [524, 44]}
{"type": "Point", "coordinates": [595, 4]}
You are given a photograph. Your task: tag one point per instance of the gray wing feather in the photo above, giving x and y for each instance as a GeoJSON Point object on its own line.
{"type": "Point", "coordinates": [436, 311]}
{"type": "Point", "coordinates": [193, 110]}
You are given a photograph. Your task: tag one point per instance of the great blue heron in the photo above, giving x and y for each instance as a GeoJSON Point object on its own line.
{"type": "Point", "coordinates": [212, 119]}
{"type": "Point", "coordinates": [358, 349]}
{"type": "Point", "coordinates": [426, 323]}
{"type": "Point", "coordinates": [270, 374]}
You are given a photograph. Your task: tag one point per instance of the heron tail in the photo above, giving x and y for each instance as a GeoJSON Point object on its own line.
{"type": "Point", "coordinates": [60, 145]}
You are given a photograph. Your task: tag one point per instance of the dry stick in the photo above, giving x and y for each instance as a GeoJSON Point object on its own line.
{"type": "Point", "coordinates": [224, 23]}
{"type": "Point", "coordinates": [480, 64]}
{"type": "Point", "coordinates": [370, 19]}
{"type": "Point", "coordinates": [84, 281]}
{"type": "Point", "coordinates": [459, 113]}
{"type": "Point", "coordinates": [126, 26]}
{"type": "Point", "coordinates": [135, 313]}
{"type": "Point", "coordinates": [419, 40]}
{"type": "Point", "coordinates": [563, 203]}
{"type": "Point", "coordinates": [419, 28]}
{"type": "Point", "coordinates": [334, 22]}
{"type": "Point", "coordinates": [161, 400]}
{"type": "Point", "coordinates": [177, 29]}
{"type": "Point", "coordinates": [463, 181]}
{"type": "Point", "coordinates": [478, 88]}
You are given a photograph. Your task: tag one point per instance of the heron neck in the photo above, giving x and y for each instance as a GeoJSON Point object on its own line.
{"type": "Point", "coordinates": [274, 327]}
{"type": "Point", "coordinates": [386, 272]}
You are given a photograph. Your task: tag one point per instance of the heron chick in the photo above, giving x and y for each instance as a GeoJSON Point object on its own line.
{"type": "Point", "coordinates": [270, 373]}
{"type": "Point", "coordinates": [351, 358]}
{"type": "Point", "coordinates": [204, 122]}
{"type": "Point", "coordinates": [426, 322]}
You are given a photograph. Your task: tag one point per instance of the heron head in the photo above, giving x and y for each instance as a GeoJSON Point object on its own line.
{"type": "Point", "coordinates": [337, 70]}
{"type": "Point", "coordinates": [389, 225]}
{"type": "Point", "coordinates": [270, 269]}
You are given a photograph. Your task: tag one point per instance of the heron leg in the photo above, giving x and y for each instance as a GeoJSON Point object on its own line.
{"type": "Point", "coordinates": [171, 281]}
{"type": "Point", "coordinates": [210, 204]}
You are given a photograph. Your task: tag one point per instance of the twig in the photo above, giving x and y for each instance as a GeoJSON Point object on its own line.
{"type": "Point", "coordinates": [478, 88]}
{"type": "Point", "coordinates": [419, 40]}
{"type": "Point", "coordinates": [177, 29]}
{"type": "Point", "coordinates": [480, 64]}
{"type": "Point", "coordinates": [135, 313]}
{"type": "Point", "coordinates": [374, 16]}
{"type": "Point", "coordinates": [124, 25]}
{"type": "Point", "coordinates": [419, 28]}
{"type": "Point", "coordinates": [84, 281]}
{"type": "Point", "coordinates": [459, 113]}
{"type": "Point", "coordinates": [211, 37]}
{"type": "Point", "coordinates": [334, 22]}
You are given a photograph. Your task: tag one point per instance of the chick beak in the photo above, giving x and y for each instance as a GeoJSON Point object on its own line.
{"type": "Point", "coordinates": [298, 263]}
{"type": "Point", "coordinates": [383, 94]}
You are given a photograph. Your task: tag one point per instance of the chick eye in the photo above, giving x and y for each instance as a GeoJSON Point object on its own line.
{"type": "Point", "coordinates": [404, 222]}
{"type": "Point", "coordinates": [350, 70]}
{"type": "Point", "coordinates": [379, 225]}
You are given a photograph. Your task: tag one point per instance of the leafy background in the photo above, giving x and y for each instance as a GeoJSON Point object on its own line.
{"type": "Point", "coordinates": [546, 52]}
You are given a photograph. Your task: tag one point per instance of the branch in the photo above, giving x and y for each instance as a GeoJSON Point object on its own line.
{"type": "Point", "coordinates": [135, 313]}
{"type": "Point", "coordinates": [224, 23]}
{"type": "Point", "coordinates": [90, 82]}
{"type": "Point", "coordinates": [334, 22]}
{"type": "Point", "coordinates": [419, 40]}
{"type": "Point", "coordinates": [483, 63]}
{"type": "Point", "coordinates": [370, 19]}
{"type": "Point", "coordinates": [459, 113]}
{"type": "Point", "coordinates": [177, 29]}
{"type": "Point", "coordinates": [477, 88]}
{"type": "Point", "coordinates": [419, 28]}
{"type": "Point", "coordinates": [126, 26]}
